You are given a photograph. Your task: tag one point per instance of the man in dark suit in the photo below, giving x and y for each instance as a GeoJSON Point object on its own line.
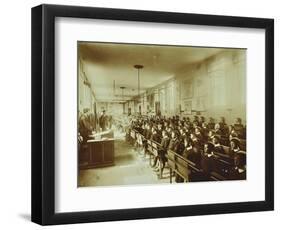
{"type": "Point", "coordinates": [205, 131]}
{"type": "Point", "coordinates": [201, 120]}
{"type": "Point", "coordinates": [165, 141]}
{"type": "Point", "coordinates": [148, 132]}
{"type": "Point", "coordinates": [217, 146]}
{"type": "Point", "coordinates": [159, 131]}
{"type": "Point", "coordinates": [154, 135]}
{"type": "Point", "coordinates": [207, 159]}
{"type": "Point", "coordinates": [238, 123]}
{"type": "Point", "coordinates": [196, 119]}
{"type": "Point", "coordinates": [103, 121]}
{"type": "Point", "coordinates": [161, 158]}
{"type": "Point", "coordinates": [163, 151]}
{"type": "Point", "coordinates": [239, 128]}
{"type": "Point", "coordinates": [174, 143]}
{"type": "Point", "coordinates": [85, 125]}
{"type": "Point", "coordinates": [211, 124]}
{"type": "Point", "coordinates": [223, 126]}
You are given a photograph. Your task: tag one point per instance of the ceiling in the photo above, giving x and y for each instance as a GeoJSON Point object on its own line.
{"type": "Point", "coordinates": [108, 64]}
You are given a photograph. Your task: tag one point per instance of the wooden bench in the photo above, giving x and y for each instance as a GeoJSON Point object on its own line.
{"type": "Point", "coordinates": [181, 166]}
{"type": "Point", "coordinates": [152, 150]}
{"type": "Point", "coordinates": [221, 166]}
{"type": "Point", "coordinates": [217, 177]}
{"type": "Point", "coordinates": [149, 146]}
{"type": "Point", "coordinates": [132, 136]}
{"type": "Point", "coordinates": [152, 146]}
{"type": "Point", "coordinates": [155, 147]}
{"type": "Point", "coordinates": [140, 138]}
{"type": "Point", "coordinates": [226, 149]}
{"type": "Point", "coordinates": [188, 169]}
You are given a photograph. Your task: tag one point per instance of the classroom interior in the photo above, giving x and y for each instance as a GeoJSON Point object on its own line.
{"type": "Point", "coordinates": [160, 114]}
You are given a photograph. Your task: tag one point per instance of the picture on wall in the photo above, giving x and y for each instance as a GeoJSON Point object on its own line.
{"type": "Point", "coordinates": [187, 107]}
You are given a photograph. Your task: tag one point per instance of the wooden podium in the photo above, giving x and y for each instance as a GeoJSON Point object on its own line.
{"type": "Point", "coordinates": [98, 152]}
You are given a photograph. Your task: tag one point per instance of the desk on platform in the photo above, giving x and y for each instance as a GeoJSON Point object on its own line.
{"type": "Point", "coordinates": [98, 152]}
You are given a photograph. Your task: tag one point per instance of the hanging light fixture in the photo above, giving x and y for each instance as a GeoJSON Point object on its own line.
{"type": "Point", "coordinates": [122, 88]}
{"type": "Point", "coordinates": [138, 67]}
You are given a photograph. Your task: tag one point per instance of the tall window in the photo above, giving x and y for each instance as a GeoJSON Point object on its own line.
{"type": "Point", "coordinates": [162, 97]}
{"type": "Point", "coordinates": [171, 97]}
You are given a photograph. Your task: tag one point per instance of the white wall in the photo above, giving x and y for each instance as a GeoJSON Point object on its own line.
{"type": "Point", "coordinates": [15, 114]}
{"type": "Point", "coordinates": [86, 96]}
{"type": "Point", "coordinates": [217, 85]}
{"type": "Point", "coordinates": [110, 108]}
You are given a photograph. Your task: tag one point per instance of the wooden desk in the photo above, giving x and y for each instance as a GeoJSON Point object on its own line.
{"type": "Point", "coordinates": [99, 153]}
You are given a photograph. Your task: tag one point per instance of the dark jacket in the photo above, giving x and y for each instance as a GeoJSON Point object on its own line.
{"type": "Point", "coordinates": [165, 143]}
{"type": "Point", "coordinates": [155, 137]}
{"type": "Point", "coordinates": [211, 125]}
{"type": "Point", "coordinates": [103, 122]}
{"type": "Point", "coordinates": [174, 145]}
{"type": "Point", "coordinates": [219, 149]}
{"type": "Point", "coordinates": [191, 155]}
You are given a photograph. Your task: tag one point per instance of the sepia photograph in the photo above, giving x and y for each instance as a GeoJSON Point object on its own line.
{"type": "Point", "coordinates": [141, 114]}
{"type": "Point", "coordinates": [160, 114]}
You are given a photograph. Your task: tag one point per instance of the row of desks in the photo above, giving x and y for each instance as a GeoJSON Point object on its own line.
{"type": "Point", "coordinates": [183, 166]}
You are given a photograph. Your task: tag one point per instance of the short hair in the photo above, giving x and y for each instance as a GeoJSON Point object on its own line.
{"type": "Point", "coordinates": [235, 140]}
{"type": "Point", "coordinates": [210, 146]}
{"type": "Point", "coordinates": [176, 132]}
{"type": "Point", "coordinates": [217, 125]}
{"type": "Point", "coordinates": [198, 128]}
{"type": "Point", "coordinates": [217, 137]}
{"type": "Point", "coordinates": [164, 132]}
{"type": "Point", "coordinates": [85, 110]}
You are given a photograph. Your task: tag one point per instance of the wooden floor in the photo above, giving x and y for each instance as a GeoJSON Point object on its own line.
{"type": "Point", "coordinates": [130, 168]}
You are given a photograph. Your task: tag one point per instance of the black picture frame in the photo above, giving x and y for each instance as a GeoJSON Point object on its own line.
{"type": "Point", "coordinates": [43, 113]}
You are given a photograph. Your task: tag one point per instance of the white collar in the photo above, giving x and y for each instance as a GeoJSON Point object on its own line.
{"type": "Point", "coordinates": [236, 150]}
